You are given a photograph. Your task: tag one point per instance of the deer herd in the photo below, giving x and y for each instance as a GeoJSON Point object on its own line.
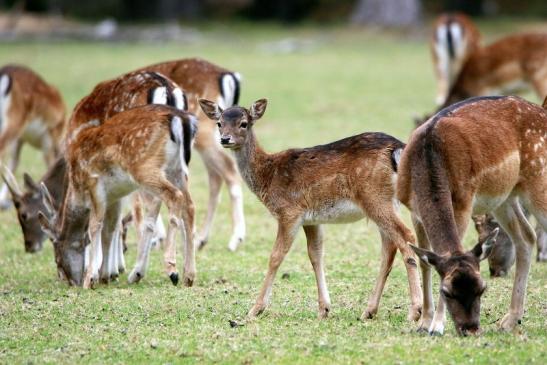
{"type": "Point", "coordinates": [127, 145]}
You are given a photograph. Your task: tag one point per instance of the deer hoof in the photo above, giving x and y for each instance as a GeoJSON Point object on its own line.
{"type": "Point", "coordinates": [174, 276]}
{"type": "Point", "coordinates": [134, 277]}
{"type": "Point", "coordinates": [256, 310]}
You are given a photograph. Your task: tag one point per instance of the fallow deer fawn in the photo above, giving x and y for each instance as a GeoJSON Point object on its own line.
{"type": "Point", "coordinates": [485, 154]}
{"type": "Point", "coordinates": [31, 111]}
{"type": "Point", "coordinates": [106, 100]}
{"type": "Point", "coordinates": [201, 79]}
{"type": "Point", "coordinates": [340, 182]}
{"type": "Point", "coordinates": [140, 148]}
{"type": "Point", "coordinates": [454, 39]}
{"type": "Point", "coordinates": [465, 69]}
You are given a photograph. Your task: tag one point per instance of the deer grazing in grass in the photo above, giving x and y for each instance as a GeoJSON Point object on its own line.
{"type": "Point", "coordinates": [201, 79]}
{"type": "Point", "coordinates": [454, 39]}
{"type": "Point", "coordinates": [107, 99]}
{"type": "Point", "coordinates": [502, 257]}
{"type": "Point", "coordinates": [485, 154]}
{"type": "Point", "coordinates": [140, 148]}
{"type": "Point", "coordinates": [340, 182]}
{"type": "Point", "coordinates": [31, 111]}
{"type": "Point", "coordinates": [465, 69]}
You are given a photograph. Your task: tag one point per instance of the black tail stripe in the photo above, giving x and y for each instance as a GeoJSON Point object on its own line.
{"type": "Point", "coordinates": [449, 39]}
{"type": "Point", "coordinates": [237, 90]}
{"type": "Point", "coordinates": [187, 140]}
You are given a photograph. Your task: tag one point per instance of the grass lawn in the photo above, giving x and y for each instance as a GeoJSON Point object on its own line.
{"type": "Point", "coordinates": [343, 82]}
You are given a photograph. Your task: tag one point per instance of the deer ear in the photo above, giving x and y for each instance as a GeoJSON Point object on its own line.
{"type": "Point", "coordinates": [483, 249]}
{"type": "Point", "coordinates": [427, 257]}
{"type": "Point", "coordinates": [30, 184]}
{"type": "Point", "coordinates": [11, 182]}
{"type": "Point", "coordinates": [258, 108]}
{"type": "Point", "coordinates": [212, 110]}
{"type": "Point", "coordinates": [47, 226]}
{"type": "Point", "coordinates": [47, 199]}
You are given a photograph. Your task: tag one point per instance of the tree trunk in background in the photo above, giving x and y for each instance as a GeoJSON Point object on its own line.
{"type": "Point", "coordinates": [388, 13]}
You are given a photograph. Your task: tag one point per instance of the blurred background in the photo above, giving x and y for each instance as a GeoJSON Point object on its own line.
{"type": "Point", "coordinates": [116, 19]}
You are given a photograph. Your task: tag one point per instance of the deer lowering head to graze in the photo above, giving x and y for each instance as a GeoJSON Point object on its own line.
{"type": "Point", "coordinates": [201, 79]}
{"type": "Point", "coordinates": [140, 148]}
{"type": "Point", "coordinates": [454, 39]}
{"type": "Point", "coordinates": [31, 111]}
{"type": "Point", "coordinates": [340, 182]}
{"type": "Point", "coordinates": [30, 201]}
{"type": "Point", "coordinates": [485, 154]}
{"type": "Point", "coordinates": [502, 256]}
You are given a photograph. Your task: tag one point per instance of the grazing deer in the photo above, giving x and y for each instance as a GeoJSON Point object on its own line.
{"type": "Point", "coordinates": [454, 39]}
{"type": "Point", "coordinates": [201, 79]}
{"type": "Point", "coordinates": [106, 100]}
{"type": "Point", "coordinates": [31, 111]}
{"type": "Point", "coordinates": [485, 154]}
{"type": "Point", "coordinates": [140, 148]}
{"type": "Point", "coordinates": [502, 256]}
{"type": "Point", "coordinates": [29, 202]}
{"type": "Point", "coordinates": [340, 182]}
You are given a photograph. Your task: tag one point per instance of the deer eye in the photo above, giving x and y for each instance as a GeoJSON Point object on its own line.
{"type": "Point", "coordinates": [243, 125]}
{"type": "Point", "coordinates": [24, 216]}
{"type": "Point", "coordinates": [218, 124]}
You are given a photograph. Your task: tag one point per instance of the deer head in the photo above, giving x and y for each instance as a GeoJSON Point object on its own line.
{"type": "Point", "coordinates": [68, 232]}
{"type": "Point", "coordinates": [235, 122]}
{"type": "Point", "coordinates": [461, 282]}
{"type": "Point", "coordinates": [27, 203]}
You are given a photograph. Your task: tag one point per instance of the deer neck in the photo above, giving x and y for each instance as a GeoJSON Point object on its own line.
{"type": "Point", "coordinates": [252, 162]}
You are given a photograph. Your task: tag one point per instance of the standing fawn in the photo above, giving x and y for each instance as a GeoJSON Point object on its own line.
{"type": "Point", "coordinates": [31, 111]}
{"type": "Point", "coordinates": [201, 79]}
{"type": "Point", "coordinates": [485, 154]}
{"type": "Point", "coordinates": [454, 39]}
{"type": "Point", "coordinates": [340, 182]}
{"type": "Point", "coordinates": [140, 148]}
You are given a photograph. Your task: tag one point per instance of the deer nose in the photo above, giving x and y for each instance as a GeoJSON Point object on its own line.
{"type": "Point", "coordinates": [225, 139]}
{"type": "Point", "coordinates": [471, 329]}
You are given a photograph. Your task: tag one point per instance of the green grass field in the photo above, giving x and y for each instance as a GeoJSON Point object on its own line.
{"type": "Point", "coordinates": [347, 82]}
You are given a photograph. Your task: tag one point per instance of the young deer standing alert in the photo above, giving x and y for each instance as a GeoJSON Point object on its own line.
{"type": "Point", "coordinates": [340, 182]}
{"type": "Point", "coordinates": [31, 111]}
{"type": "Point", "coordinates": [485, 154]}
{"type": "Point", "coordinates": [454, 39]}
{"type": "Point", "coordinates": [201, 79]}
{"type": "Point", "coordinates": [140, 148]}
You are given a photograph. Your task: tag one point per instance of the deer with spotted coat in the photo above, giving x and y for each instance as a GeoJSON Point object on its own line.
{"type": "Point", "coordinates": [31, 111]}
{"type": "Point", "coordinates": [485, 154]}
{"type": "Point", "coordinates": [109, 98]}
{"type": "Point", "coordinates": [356, 180]}
{"type": "Point", "coordinates": [140, 148]}
{"type": "Point", "coordinates": [201, 79]}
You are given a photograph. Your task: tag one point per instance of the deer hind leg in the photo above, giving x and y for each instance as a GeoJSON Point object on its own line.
{"type": "Point", "coordinates": [109, 268]}
{"type": "Point", "coordinates": [146, 229]}
{"type": "Point", "coordinates": [314, 236]}
{"type": "Point", "coordinates": [428, 309]}
{"type": "Point", "coordinates": [286, 231]}
{"type": "Point", "coordinates": [15, 152]}
{"type": "Point", "coordinates": [395, 236]}
{"type": "Point", "coordinates": [221, 166]}
{"type": "Point", "coordinates": [511, 218]}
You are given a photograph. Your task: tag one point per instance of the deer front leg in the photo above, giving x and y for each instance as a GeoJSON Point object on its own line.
{"type": "Point", "coordinates": [286, 231]}
{"type": "Point", "coordinates": [428, 309]}
{"type": "Point", "coordinates": [187, 229]}
{"type": "Point", "coordinates": [95, 253]}
{"type": "Point", "coordinates": [437, 325]}
{"type": "Point", "coordinates": [314, 236]}
{"type": "Point", "coordinates": [109, 269]}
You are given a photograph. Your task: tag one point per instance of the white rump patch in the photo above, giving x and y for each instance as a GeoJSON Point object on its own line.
{"type": "Point", "coordinates": [4, 84]}
{"type": "Point", "coordinates": [179, 99]}
{"type": "Point", "coordinates": [159, 95]}
{"type": "Point", "coordinates": [228, 84]}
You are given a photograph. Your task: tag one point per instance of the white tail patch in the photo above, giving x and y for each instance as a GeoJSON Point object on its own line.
{"type": "Point", "coordinates": [180, 102]}
{"type": "Point", "coordinates": [229, 85]}
{"type": "Point", "coordinates": [4, 84]}
{"type": "Point", "coordinates": [159, 96]}
{"type": "Point", "coordinates": [177, 135]}
{"type": "Point", "coordinates": [5, 100]}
